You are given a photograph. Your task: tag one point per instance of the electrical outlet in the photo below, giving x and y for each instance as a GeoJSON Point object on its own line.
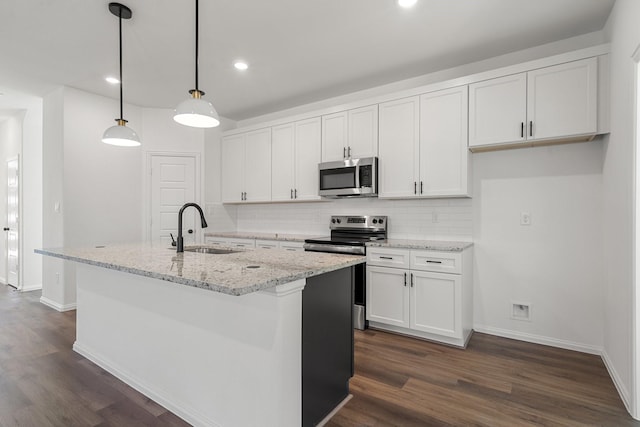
{"type": "Point", "coordinates": [521, 311]}
{"type": "Point", "coordinates": [525, 218]}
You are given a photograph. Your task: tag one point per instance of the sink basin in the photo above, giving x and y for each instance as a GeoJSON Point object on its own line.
{"type": "Point", "coordinates": [210, 250]}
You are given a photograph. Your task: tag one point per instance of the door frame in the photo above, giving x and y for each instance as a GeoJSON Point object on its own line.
{"type": "Point", "coordinates": [146, 214]}
{"type": "Point", "coordinates": [634, 404]}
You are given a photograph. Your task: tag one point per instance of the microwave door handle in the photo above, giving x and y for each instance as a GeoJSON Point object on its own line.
{"type": "Point", "coordinates": [357, 172]}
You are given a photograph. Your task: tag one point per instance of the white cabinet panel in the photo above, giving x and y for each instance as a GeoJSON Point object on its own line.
{"type": "Point", "coordinates": [399, 147]}
{"type": "Point", "coordinates": [562, 100]}
{"type": "Point", "coordinates": [232, 168]}
{"type": "Point", "coordinates": [307, 157]}
{"type": "Point", "coordinates": [444, 155]}
{"type": "Point", "coordinates": [498, 110]}
{"type": "Point", "coordinates": [282, 162]}
{"type": "Point", "coordinates": [291, 246]}
{"type": "Point", "coordinates": [436, 303]}
{"type": "Point", "coordinates": [350, 134]}
{"type": "Point", "coordinates": [246, 167]}
{"type": "Point", "coordinates": [387, 296]}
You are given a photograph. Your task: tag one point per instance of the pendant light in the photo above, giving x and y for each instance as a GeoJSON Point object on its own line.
{"type": "Point", "coordinates": [120, 134]}
{"type": "Point", "coordinates": [195, 111]}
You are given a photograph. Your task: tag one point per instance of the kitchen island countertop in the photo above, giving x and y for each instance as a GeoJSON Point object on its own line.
{"type": "Point", "coordinates": [238, 273]}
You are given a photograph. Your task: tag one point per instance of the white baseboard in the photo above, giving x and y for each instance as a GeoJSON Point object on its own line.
{"type": "Point", "coordinates": [181, 410]}
{"type": "Point", "coordinates": [617, 381]}
{"type": "Point", "coordinates": [539, 339]}
{"type": "Point", "coordinates": [56, 306]}
{"type": "Point", "coordinates": [31, 288]}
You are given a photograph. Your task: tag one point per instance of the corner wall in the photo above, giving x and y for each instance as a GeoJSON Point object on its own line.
{"type": "Point", "coordinates": [618, 179]}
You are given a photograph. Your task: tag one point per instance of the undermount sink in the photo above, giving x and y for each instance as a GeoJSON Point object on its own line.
{"type": "Point", "coordinates": [210, 250]}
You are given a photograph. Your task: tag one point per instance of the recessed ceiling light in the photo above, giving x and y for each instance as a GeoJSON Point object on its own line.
{"type": "Point", "coordinates": [112, 80]}
{"type": "Point", "coordinates": [241, 65]}
{"type": "Point", "coordinates": [407, 3]}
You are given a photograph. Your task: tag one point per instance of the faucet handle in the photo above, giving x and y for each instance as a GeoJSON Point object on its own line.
{"type": "Point", "coordinates": [173, 241]}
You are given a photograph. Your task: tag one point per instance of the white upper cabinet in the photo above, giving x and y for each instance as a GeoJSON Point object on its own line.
{"type": "Point", "coordinates": [444, 155]}
{"type": "Point", "coordinates": [246, 167]}
{"type": "Point", "coordinates": [295, 158]}
{"type": "Point", "coordinates": [423, 145]}
{"type": "Point", "coordinates": [562, 100]}
{"type": "Point", "coordinates": [498, 110]}
{"type": "Point", "coordinates": [552, 103]}
{"type": "Point", "coordinates": [399, 148]}
{"type": "Point", "coordinates": [350, 134]}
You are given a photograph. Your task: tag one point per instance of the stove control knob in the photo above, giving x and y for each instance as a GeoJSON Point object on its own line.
{"type": "Point", "coordinates": [375, 221]}
{"type": "Point", "coordinates": [333, 220]}
{"type": "Point", "coordinates": [338, 220]}
{"type": "Point", "coordinates": [381, 220]}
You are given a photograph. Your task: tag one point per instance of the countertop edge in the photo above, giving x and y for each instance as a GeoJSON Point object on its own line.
{"type": "Point", "coordinates": [269, 284]}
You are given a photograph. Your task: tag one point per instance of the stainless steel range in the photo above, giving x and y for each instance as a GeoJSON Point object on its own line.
{"type": "Point", "coordinates": [349, 234]}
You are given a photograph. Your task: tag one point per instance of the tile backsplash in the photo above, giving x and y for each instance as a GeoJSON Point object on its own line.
{"type": "Point", "coordinates": [443, 219]}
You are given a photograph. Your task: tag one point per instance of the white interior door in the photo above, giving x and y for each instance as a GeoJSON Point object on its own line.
{"type": "Point", "coordinates": [173, 183]}
{"type": "Point", "coordinates": [13, 221]}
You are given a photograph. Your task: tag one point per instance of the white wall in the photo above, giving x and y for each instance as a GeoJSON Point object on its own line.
{"type": "Point", "coordinates": [554, 264]}
{"type": "Point", "coordinates": [618, 176]}
{"type": "Point", "coordinates": [101, 188]}
{"type": "Point", "coordinates": [31, 185]}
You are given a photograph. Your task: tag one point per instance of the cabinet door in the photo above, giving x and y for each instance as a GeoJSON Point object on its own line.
{"type": "Point", "coordinates": [233, 168]}
{"type": "Point", "coordinates": [362, 127]}
{"type": "Point", "coordinates": [443, 143]}
{"type": "Point", "coordinates": [562, 100]}
{"type": "Point", "coordinates": [436, 303]}
{"type": "Point", "coordinates": [498, 110]}
{"type": "Point", "coordinates": [307, 157]}
{"type": "Point", "coordinates": [282, 162]}
{"type": "Point", "coordinates": [334, 136]}
{"type": "Point", "coordinates": [266, 244]}
{"type": "Point", "coordinates": [292, 246]}
{"type": "Point", "coordinates": [399, 147]}
{"type": "Point", "coordinates": [257, 177]}
{"type": "Point", "coordinates": [388, 296]}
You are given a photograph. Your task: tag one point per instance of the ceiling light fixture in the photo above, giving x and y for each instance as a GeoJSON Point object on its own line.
{"type": "Point", "coordinates": [120, 134]}
{"type": "Point", "coordinates": [407, 3]}
{"type": "Point", "coordinates": [195, 111]}
{"type": "Point", "coordinates": [112, 80]}
{"type": "Point", "coordinates": [241, 65]}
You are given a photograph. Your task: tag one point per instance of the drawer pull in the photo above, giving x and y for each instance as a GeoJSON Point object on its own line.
{"type": "Point", "coordinates": [434, 262]}
{"type": "Point", "coordinates": [386, 257]}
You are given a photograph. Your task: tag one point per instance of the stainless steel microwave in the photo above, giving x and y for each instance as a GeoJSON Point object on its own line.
{"type": "Point", "coordinates": [349, 178]}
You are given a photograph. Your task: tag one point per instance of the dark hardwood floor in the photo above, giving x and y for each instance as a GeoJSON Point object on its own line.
{"type": "Point", "coordinates": [399, 381]}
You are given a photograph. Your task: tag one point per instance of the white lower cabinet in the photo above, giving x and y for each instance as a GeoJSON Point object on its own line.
{"type": "Point", "coordinates": [427, 294]}
{"type": "Point", "coordinates": [230, 241]}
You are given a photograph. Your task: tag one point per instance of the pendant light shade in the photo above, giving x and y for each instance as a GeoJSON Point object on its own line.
{"type": "Point", "coordinates": [195, 111]}
{"type": "Point", "coordinates": [120, 134]}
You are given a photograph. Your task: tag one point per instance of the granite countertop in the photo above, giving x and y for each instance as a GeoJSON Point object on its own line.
{"type": "Point", "coordinates": [237, 273]}
{"type": "Point", "coordinates": [431, 245]}
{"type": "Point", "coordinates": [260, 236]}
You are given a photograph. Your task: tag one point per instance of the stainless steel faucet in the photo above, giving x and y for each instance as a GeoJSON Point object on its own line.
{"type": "Point", "coordinates": [180, 242]}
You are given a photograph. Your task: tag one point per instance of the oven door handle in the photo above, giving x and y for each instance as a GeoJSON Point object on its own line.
{"type": "Point", "coordinates": [338, 249]}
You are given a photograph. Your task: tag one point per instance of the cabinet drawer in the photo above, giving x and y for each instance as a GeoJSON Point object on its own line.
{"type": "Point", "coordinates": [266, 244]}
{"type": "Point", "coordinates": [444, 262]}
{"type": "Point", "coordinates": [232, 242]}
{"type": "Point", "coordinates": [292, 246]}
{"type": "Point", "coordinates": [387, 257]}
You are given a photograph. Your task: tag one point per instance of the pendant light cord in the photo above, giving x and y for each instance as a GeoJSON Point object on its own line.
{"type": "Point", "coordinates": [197, 59]}
{"type": "Point", "coordinates": [120, 43]}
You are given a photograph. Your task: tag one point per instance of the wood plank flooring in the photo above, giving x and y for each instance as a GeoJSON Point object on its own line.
{"type": "Point", "coordinates": [399, 381]}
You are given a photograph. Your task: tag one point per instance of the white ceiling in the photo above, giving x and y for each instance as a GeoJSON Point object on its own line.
{"type": "Point", "coordinates": [299, 51]}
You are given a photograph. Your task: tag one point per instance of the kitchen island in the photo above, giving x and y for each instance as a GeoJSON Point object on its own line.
{"type": "Point", "coordinates": [219, 339]}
